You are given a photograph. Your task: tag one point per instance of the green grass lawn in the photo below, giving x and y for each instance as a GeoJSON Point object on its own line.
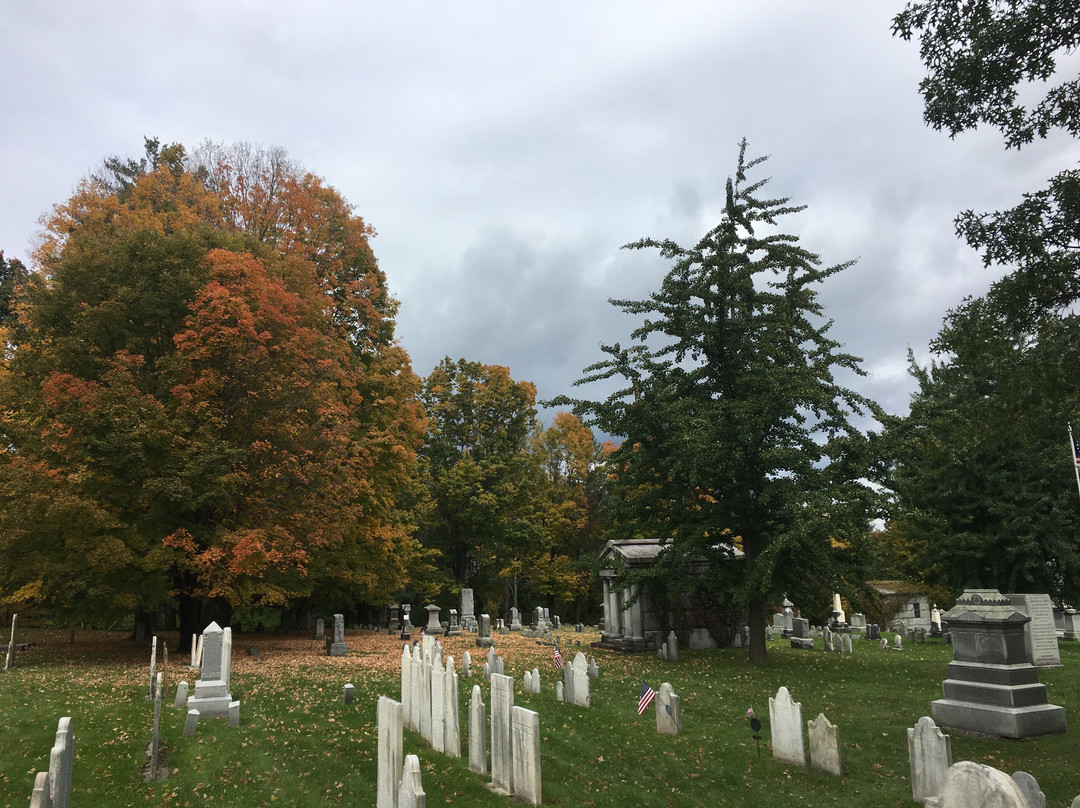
{"type": "Point", "coordinates": [299, 745]}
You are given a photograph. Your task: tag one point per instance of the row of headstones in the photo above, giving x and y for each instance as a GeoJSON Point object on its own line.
{"type": "Point", "coordinates": [936, 781]}
{"type": "Point", "coordinates": [52, 788]}
{"type": "Point", "coordinates": [515, 731]}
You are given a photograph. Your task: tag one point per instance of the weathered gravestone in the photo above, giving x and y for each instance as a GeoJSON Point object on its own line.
{"type": "Point", "coordinates": [672, 647]}
{"type": "Point", "coordinates": [477, 732]}
{"type": "Point", "coordinates": [559, 692]}
{"type": "Point", "coordinates": [974, 785]}
{"type": "Point", "coordinates": [468, 619]}
{"type": "Point", "coordinates": [406, 685]}
{"type": "Point", "coordinates": [525, 731]}
{"type": "Point", "coordinates": [581, 680]}
{"type": "Point", "coordinates": [320, 629]}
{"type": "Point", "coordinates": [336, 646]}
{"type": "Point", "coordinates": [212, 698]}
{"type": "Point", "coordinates": [437, 736]}
{"type": "Point", "coordinates": [825, 746]}
{"type": "Point", "coordinates": [433, 627]}
{"type": "Point", "coordinates": [466, 664]}
{"type": "Point", "coordinates": [800, 634]}
{"type": "Point", "coordinates": [668, 711]}
{"type": "Point", "coordinates": [1040, 633]}
{"type": "Point", "coordinates": [181, 694]}
{"type": "Point", "coordinates": [52, 788]}
{"type": "Point", "coordinates": [992, 687]}
{"type": "Point", "coordinates": [483, 632]}
{"type": "Point", "coordinates": [411, 790]}
{"type": "Point", "coordinates": [389, 717]}
{"type": "Point", "coordinates": [9, 658]}
{"type": "Point", "coordinates": [1030, 786]}
{"type": "Point", "coordinates": [930, 754]}
{"type": "Point", "coordinates": [847, 643]}
{"type": "Point", "coordinates": [502, 702]}
{"type": "Point", "coordinates": [348, 693]}
{"type": "Point", "coordinates": [785, 716]}
{"type": "Point", "coordinates": [594, 670]}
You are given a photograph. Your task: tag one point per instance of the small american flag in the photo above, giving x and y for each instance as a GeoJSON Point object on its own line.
{"type": "Point", "coordinates": [647, 695]}
{"type": "Point", "coordinates": [1076, 451]}
{"type": "Point", "coordinates": [558, 658]}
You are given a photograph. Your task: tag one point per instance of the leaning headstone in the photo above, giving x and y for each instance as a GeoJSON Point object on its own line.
{"type": "Point", "coordinates": [825, 746]}
{"type": "Point", "coordinates": [477, 732]}
{"type": "Point", "coordinates": [199, 652]}
{"type": "Point", "coordinates": [181, 694]}
{"type": "Point", "coordinates": [525, 730]}
{"type": "Point", "coordinates": [971, 785]}
{"type": "Point", "coordinates": [411, 790]}
{"type": "Point", "coordinates": [930, 753]}
{"type": "Point", "coordinates": [191, 724]}
{"type": "Point", "coordinates": [672, 647]}
{"type": "Point", "coordinates": [1030, 786]}
{"type": "Point", "coordinates": [155, 733]}
{"type": "Point", "coordinates": [502, 702]}
{"type": "Point", "coordinates": [153, 668]}
{"type": "Point", "coordinates": [668, 711]}
{"type": "Point", "coordinates": [389, 755]}
{"type": "Point", "coordinates": [9, 659]}
{"type": "Point", "coordinates": [581, 680]}
{"type": "Point", "coordinates": [785, 716]}
{"type": "Point", "coordinates": [348, 693]}
{"type": "Point", "coordinates": [320, 629]}
{"type": "Point", "coordinates": [337, 646]}
{"type": "Point", "coordinates": [883, 644]}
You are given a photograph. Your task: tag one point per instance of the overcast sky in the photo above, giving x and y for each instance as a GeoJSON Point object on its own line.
{"type": "Point", "coordinates": [504, 151]}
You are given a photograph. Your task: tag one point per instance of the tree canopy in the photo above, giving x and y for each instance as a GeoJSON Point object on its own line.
{"type": "Point", "coordinates": [736, 434]}
{"type": "Point", "coordinates": [202, 395]}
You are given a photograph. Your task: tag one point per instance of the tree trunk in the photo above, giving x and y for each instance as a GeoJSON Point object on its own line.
{"type": "Point", "coordinates": [756, 618]}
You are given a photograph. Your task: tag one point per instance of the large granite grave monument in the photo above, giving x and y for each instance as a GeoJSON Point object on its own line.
{"type": "Point", "coordinates": [993, 689]}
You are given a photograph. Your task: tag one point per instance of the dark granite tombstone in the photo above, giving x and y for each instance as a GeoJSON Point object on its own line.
{"type": "Point", "coordinates": [993, 689]}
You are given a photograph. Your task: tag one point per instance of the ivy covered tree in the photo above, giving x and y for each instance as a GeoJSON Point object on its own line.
{"type": "Point", "coordinates": [202, 397]}
{"type": "Point", "coordinates": [736, 434]}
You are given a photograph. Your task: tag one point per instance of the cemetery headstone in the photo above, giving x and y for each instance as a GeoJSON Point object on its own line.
{"type": "Point", "coordinates": [191, 724]}
{"type": "Point", "coordinates": [525, 729]}
{"type": "Point", "coordinates": [468, 618]}
{"type": "Point", "coordinates": [437, 737]}
{"type": "Point", "coordinates": [483, 632]}
{"type": "Point", "coordinates": [155, 733]}
{"type": "Point", "coordinates": [661, 652]}
{"type": "Point", "coordinates": [320, 629]}
{"type": "Point", "coordinates": [211, 697]}
{"type": "Point", "coordinates": [800, 634]}
{"type": "Point", "coordinates": [992, 687]}
{"type": "Point", "coordinates": [466, 665]}
{"type": "Point", "coordinates": [837, 643]}
{"type": "Point", "coordinates": [1071, 619]}
{"type": "Point", "coordinates": [433, 627]}
{"type": "Point", "coordinates": [785, 716]}
{"type": "Point", "coordinates": [348, 693]}
{"type": "Point", "coordinates": [477, 732]}
{"type": "Point", "coordinates": [406, 628]}
{"type": "Point", "coordinates": [39, 797]}
{"type": "Point", "coordinates": [672, 647]}
{"type": "Point", "coordinates": [1040, 633]}
{"type": "Point", "coordinates": [337, 646]}
{"type": "Point", "coordinates": [668, 711]}
{"type": "Point", "coordinates": [515, 618]}
{"type": "Point", "coordinates": [826, 636]}
{"type": "Point", "coordinates": [53, 788]}
{"type": "Point", "coordinates": [1030, 786]}
{"type": "Point", "coordinates": [153, 668]}
{"type": "Point", "coordinates": [883, 644]}
{"type": "Point", "coordinates": [594, 670]}
{"type": "Point", "coordinates": [451, 716]}
{"type": "Point", "coordinates": [454, 628]}
{"type": "Point", "coordinates": [975, 785]}
{"type": "Point", "coordinates": [898, 643]}
{"type": "Point", "coordinates": [389, 741]}
{"type": "Point", "coordinates": [526, 682]}
{"type": "Point", "coordinates": [411, 789]}
{"type": "Point", "coordinates": [394, 624]}
{"type": "Point", "coordinates": [825, 746]}
{"type": "Point", "coordinates": [559, 691]}
{"type": "Point", "coordinates": [847, 643]}
{"type": "Point", "coordinates": [930, 754]}
{"type": "Point", "coordinates": [181, 694]}
{"type": "Point", "coordinates": [9, 659]}
{"type": "Point", "coordinates": [568, 681]}
{"type": "Point", "coordinates": [581, 680]}
{"type": "Point", "coordinates": [502, 702]}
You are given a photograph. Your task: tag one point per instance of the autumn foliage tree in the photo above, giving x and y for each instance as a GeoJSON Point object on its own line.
{"type": "Point", "coordinates": [203, 397]}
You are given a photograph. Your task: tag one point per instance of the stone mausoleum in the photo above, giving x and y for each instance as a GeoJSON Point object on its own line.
{"type": "Point", "coordinates": [639, 628]}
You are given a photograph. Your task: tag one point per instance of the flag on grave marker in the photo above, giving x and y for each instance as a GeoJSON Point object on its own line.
{"type": "Point", "coordinates": [647, 695]}
{"type": "Point", "coordinates": [558, 658]}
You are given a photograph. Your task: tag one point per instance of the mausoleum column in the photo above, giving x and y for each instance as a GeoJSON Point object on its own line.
{"type": "Point", "coordinates": [635, 613]}
{"type": "Point", "coordinates": [616, 613]}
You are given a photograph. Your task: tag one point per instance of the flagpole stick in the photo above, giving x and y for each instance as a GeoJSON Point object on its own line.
{"type": "Point", "coordinates": [1076, 460]}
